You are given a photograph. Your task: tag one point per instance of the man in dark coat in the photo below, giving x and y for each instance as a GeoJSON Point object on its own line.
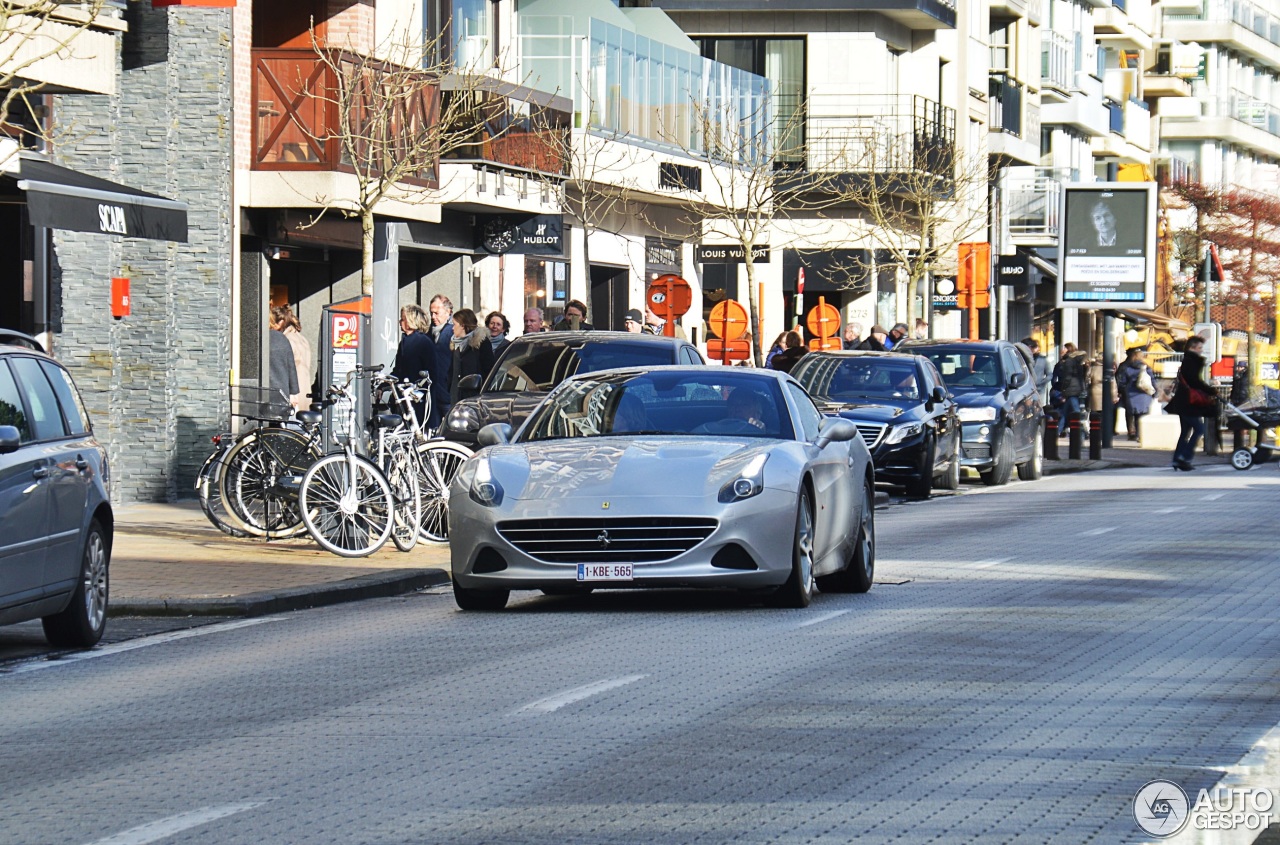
{"type": "Point", "coordinates": [442, 331]}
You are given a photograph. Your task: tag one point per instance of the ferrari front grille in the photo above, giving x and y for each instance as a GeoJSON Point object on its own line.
{"type": "Point", "coordinates": [640, 539]}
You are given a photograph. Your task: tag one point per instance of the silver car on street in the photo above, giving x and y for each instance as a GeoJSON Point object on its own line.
{"type": "Point", "coordinates": [666, 477]}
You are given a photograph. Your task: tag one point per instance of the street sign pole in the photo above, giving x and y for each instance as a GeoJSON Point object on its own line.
{"type": "Point", "coordinates": [1108, 380]}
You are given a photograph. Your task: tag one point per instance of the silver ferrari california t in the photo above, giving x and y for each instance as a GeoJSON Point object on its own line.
{"type": "Point", "coordinates": [666, 477]}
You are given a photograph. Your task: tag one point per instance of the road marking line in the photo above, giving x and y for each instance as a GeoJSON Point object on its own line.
{"type": "Point", "coordinates": [822, 617]}
{"type": "Point", "coordinates": [987, 564]}
{"type": "Point", "coordinates": [141, 642]}
{"type": "Point", "coordinates": [1213, 497]}
{"type": "Point", "coordinates": [1174, 509]}
{"type": "Point", "coordinates": [552, 703]}
{"type": "Point", "coordinates": [1099, 531]}
{"type": "Point", "coordinates": [164, 828]}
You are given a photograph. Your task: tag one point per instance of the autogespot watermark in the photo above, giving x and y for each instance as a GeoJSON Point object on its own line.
{"type": "Point", "coordinates": [1161, 808]}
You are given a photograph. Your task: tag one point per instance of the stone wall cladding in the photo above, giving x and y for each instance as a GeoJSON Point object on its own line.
{"type": "Point", "coordinates": [156, 379]}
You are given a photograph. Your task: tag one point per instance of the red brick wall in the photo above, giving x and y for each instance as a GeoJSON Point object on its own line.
{"type": "Point", "coordinates": [350, 24]}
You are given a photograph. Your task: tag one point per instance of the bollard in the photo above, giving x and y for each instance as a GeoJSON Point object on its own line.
{"type": "Point", "coordinates": [1051, 435]}
{"type": "Point", "coordinates": [1095, 435]}
{"type": "Point", "coordinates": [1075, 436]}
{"type": "Point", "coordinates": [1211, 436]}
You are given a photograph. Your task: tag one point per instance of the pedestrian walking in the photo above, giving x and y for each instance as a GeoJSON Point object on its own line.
{"type": "Point", "coordinates": [633, 321]}
{"type": "Point", "coordinates": [876, 342]}
{"type": "Point", "coordinates": [533, 321]}
{"type": "Point", "coordinates": [416, 355]}
{"type": "Point", "coordinates": [1193, 401]}
{"type": "Point", "coordinates": [574, 318]}
{"type": "Point", "coordinates": [472, 353]}
{"type": "Point", "coordinates": [896, 334]}
{"type": "Point", "coordinates": [1070, 379]}
{"type": "Point", "coordinates": [498, 326]}
{"type": "Point", "coordinates": [286, 322]}
{"type": "Point", "coordinates": [1135, 388]}
{"type": "Point", "coordinates": [1039, 367]}
{"type": "Point", "coordinates": [282, 373]}
{"type": "Point", "coordinates": [775, 349]}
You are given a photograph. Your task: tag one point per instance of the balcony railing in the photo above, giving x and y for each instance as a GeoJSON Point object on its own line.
{"type": "Point", "coordinates": [885, 135]}
{"type": "Point", "coordinates": [1176, 171]}
{"type": "Point", "coordinates": [1005, 96]}
{"type": "Point", "coordinates": [299, 125]}
{"type": "Point", "coordinates": [1251, 16]}
{"type": "Point", "coordinates": [1057, 65]}
{"type": "Point", "coordinates": [1030, 198]}
{"type": "Point", "coordinates": [1115, 116]}
{"type": "Point", "coordinates": [1255, 112]}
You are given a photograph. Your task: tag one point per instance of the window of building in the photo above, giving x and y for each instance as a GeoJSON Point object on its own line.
{"type": "Point", "coordinates": [782, 62]}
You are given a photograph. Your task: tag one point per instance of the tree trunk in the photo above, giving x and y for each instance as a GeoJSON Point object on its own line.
{"type": "Point", "coordinates": [366, 251]}
{"type": "Point", "coordinates": [753, 308]}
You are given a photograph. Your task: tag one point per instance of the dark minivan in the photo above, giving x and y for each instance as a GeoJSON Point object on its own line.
{"type": "Point", "coordinates": [1000, 410]}
{"type": "Point", "coordinates": [535, 363]}
{"type": "Point", "coordinates": [55, 514]}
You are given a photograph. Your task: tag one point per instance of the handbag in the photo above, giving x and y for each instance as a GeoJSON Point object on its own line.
{"type": "Point", "coordinates": [1198, 398]}
{"type": "Point", "coordinates": [1144, 383]}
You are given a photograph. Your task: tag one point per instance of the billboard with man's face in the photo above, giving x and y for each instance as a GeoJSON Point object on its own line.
{"type": "Point", "coordinates": [1108, 245]}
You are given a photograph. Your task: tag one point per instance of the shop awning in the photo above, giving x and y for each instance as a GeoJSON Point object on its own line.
{"type": "Point", "coordinates": [62, 198]}
{"type": "Point", "coordinates": [1154, 318]}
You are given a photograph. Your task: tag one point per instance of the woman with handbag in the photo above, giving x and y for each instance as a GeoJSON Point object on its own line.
{"type": "Point", "coordinates": [1136, 386]}
{"type": "Point", "coordinates": [1193, 400]}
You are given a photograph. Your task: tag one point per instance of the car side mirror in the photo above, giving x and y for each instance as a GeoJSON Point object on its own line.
{"type": "Point", "coordinates": [494, 434]}
{"type": "Point", "coordinates": [834, 429]}
{"type": "Point", "coordinates": [469, 385]}
{"type": "Point", "coordinates": [939, 394]}
{"type": "Point", "coordinates": [10, 439]}
{"type": "Point", "coordinates": [1017, 380]}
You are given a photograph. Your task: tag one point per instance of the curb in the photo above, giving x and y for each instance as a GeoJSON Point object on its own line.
{"type": "Point", "coordinates": [375, 585]}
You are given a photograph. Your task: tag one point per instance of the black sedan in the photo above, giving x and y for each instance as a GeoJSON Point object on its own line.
{"type": "Point", "coordinates": [535, 363]}
{"type": "Point", "coordinates": [1000, 408]}
{"type": "Point", "coordinates": [901, 408]}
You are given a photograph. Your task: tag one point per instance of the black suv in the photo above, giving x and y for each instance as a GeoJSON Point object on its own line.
{"type": "Point", "coordinates": [535, 363]}
{"type": "Point", "coordinates": [55, 514]}
{"type": "Point", "coordinates": [1000, 409]}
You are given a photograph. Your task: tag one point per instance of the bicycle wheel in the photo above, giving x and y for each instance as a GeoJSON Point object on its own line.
{"type": "Point", "coordinates": [438, 462]}
{"type": "Point", "coordinates": [346, 504]}
{"type": "Point", "coordinates": [209, 491]}
{"type": "Point", "coordinates": [402, 475]}
{"type": "Point", "coordinates": [259, 481]}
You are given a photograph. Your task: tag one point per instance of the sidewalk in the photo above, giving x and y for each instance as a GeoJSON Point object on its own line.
{"type": "Point", "coordinates": [1125, 453]}
{"type": "Point", "coordinates": [168, 560]}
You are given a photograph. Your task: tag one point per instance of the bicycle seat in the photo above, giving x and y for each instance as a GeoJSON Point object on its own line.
{"type": "Point", "coordinates": [310, 418]}
{"type": "Point", "coordinates": [389, 420]}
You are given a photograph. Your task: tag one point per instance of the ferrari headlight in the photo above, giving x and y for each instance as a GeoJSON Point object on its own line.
{"type": "Point", "coordinates": [747, 483]}
{"type": "Point", "coordinates": [985, 412]}
{"type": "Point", "coordinates": [901, 432]}
{"type": "Point", "coordinates": [463, 418]}
{"type": "Point", "coordinates": [485, 489]}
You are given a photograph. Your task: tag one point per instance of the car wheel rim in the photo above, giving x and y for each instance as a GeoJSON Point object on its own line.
{"type": "Point", "coordinates": [804, 546]}
{"type": "Point", "coordinates": [95, 581]}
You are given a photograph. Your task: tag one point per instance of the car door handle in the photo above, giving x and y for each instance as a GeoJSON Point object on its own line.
{"type": "Point", "coordinates": [40, 472]}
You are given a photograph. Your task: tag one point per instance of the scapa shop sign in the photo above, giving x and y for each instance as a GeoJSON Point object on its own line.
{"type": "Point", "coordinates": [111, 219]}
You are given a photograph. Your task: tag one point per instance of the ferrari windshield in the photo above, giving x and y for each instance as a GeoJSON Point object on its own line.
{"type": "Point", "coordinates": [843, 379]}
{"type": "Point", "coordinates": [678, 402]}
{"type": "Point", "coordinates": [537, 367]}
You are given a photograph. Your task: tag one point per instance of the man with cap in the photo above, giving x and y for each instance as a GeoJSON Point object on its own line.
{"type": "Point", "coordinates": [897, 333]}
{"type": "Point", "coordinates": [633, 321]}
{"type": "Point", "coordinates": [876, 342]}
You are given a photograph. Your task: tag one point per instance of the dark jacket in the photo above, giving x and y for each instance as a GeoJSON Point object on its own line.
{"type": "Point", "coordinates": [444, 359]}
{"type": "Point", "coordinates": [563, 325]}
{"type": "Point", "coordinates": [474, 358]}
{"type": "Point", "coordinates": [1136, 402]}
{"type": "Point", "coordinates": [872, 344]}
{"type": "Point", "coordinates": [1189, 374]}
{"type": "Point", "coordinates": [282, 372]}
{"type": "Point", "coordinates": [1069, 376]}
{"type": "Point", "coordinates": [499, 345]}
{"type": "Point", "coordinates": [417, 354]}
{"type": "Point", "coordinates": [787, 358]}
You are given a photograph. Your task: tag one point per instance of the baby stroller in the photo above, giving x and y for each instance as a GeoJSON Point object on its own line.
{"type": "Point", "coordinates": [1262, 414]}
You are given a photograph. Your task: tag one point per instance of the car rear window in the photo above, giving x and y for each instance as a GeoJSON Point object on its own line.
{"type": "Point", "coordinates": [46, 418]}
{"type": "Point", "coordinates": [11, 412]}
{"type": "Point", "coordinates": [538, 367]}
{"type": "Point", "coordinates": [72, 408]}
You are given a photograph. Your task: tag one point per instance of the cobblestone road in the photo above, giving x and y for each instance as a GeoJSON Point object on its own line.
{"type": "Point", "coordinates": [1029, 657]}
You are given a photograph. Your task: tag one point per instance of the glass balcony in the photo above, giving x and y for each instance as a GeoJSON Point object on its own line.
{"type": "Point", "coordinates": [1030, 199]}
{"type": "Point", "coordinates": [1057, 60]}
{"type": "Point", "coordinates": [1263, 22]}
{"type": "Point", "coordinates": [884, 135]}
{"type": "Point", "coordinates": [639, 90]}
{"type": "Point", "coordinates": [1172, 170]}
{"type": "Point", "coordinates": [1115, 116]}
{"type": "Point", "coordinates": [1247, 109]}
{"type": "Point", "coordinates": [1005, 95]}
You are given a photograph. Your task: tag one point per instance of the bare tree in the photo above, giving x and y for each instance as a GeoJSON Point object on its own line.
{"type": "Point", "coordinates": [389, 115]}
{"type": "Point", "coordinates": [33, 35]}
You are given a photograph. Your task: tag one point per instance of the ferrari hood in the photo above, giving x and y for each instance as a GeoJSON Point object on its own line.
{"type": "Point", "coordinates": [612, 467]}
